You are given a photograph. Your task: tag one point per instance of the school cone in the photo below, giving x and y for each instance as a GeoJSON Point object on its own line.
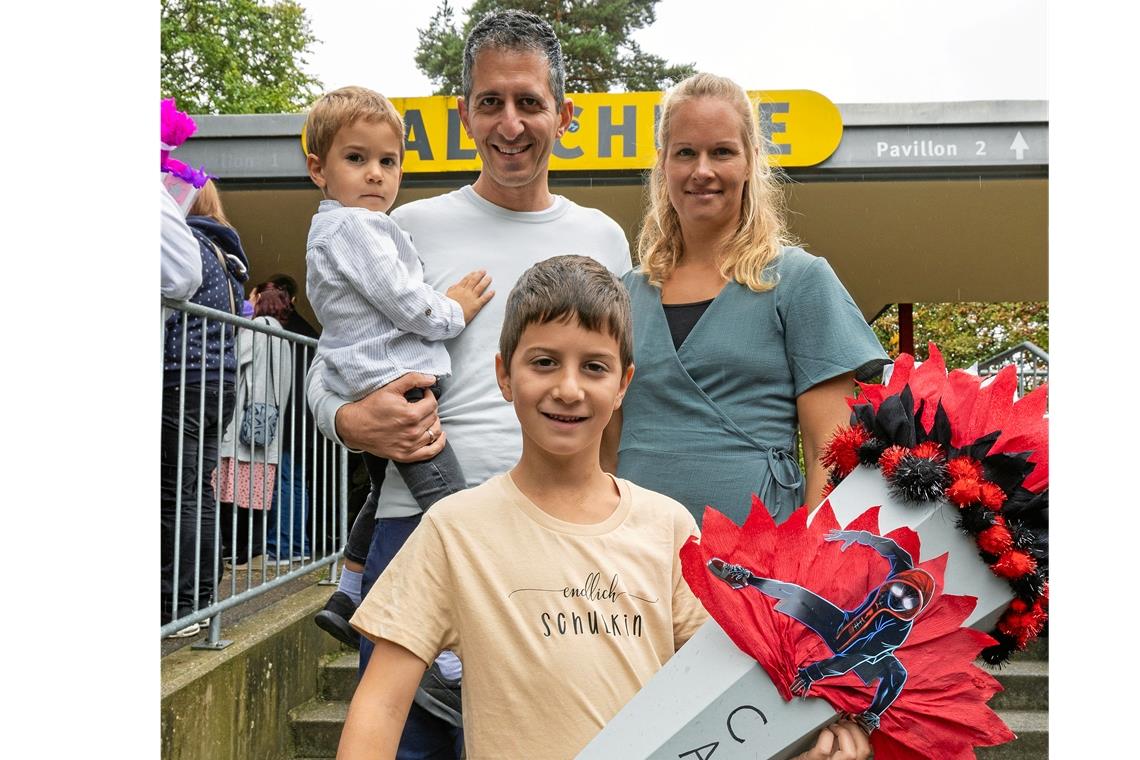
{"type": "Point", "coordinates": [712, 701]}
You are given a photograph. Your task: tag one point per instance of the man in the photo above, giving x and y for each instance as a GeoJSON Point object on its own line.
{"type": "Point", "coordinates": [514, 109]}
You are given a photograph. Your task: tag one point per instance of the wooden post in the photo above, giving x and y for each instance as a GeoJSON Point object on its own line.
{"type": "Point", "coordinates": [906, 328]}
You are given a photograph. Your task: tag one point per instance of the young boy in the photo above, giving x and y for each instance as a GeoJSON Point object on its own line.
{"type": "Point", "coordinates": [366, 284]}
{"type": "Point", "coordinates": [558, 585]}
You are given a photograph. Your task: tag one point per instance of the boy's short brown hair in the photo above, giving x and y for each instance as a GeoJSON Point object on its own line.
{"type": "Point", "coordinates": [563, 288]}
{"type": "Point", "coordinates": [341, 108]}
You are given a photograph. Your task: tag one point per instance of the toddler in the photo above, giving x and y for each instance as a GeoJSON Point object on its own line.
{"type": "Point", "coordinates": [365, 281]}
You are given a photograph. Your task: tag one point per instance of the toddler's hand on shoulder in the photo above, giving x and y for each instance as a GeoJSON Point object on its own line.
{"type": "Point", "coordinates": [472, 293]}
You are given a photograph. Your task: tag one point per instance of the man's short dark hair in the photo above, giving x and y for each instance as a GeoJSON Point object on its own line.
{"type": "Point", "coordinates": [520, 31]}
{"type": "Point", "coordinates": [563, 288]}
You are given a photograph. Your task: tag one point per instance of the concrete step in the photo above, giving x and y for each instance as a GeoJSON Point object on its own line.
{"type": "Point", "coordinates": [1032, 742]}
{"type": "Point", "coordinates": [337, 678]}
{"type": "Point", "coordinates": [316, 727]}
{"type": "Point", "coordinates": [1023, 705]}
{"type": "Point", "coordinates": [1037, 650]}
{"type": "Point", "coordinates": [1026, 684]}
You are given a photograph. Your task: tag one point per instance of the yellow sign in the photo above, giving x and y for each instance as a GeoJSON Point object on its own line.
{"type": "Point", "coordinates": [616, 131]}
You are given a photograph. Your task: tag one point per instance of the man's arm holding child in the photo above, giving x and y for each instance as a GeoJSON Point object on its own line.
{"type": "Point", "coordinates": [380, 705]}
{"type": "Point", "coordinates": [383, 423]}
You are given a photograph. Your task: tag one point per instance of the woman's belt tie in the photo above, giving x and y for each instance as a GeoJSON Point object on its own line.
{"type": "Point", "coordinates": [784, 469]}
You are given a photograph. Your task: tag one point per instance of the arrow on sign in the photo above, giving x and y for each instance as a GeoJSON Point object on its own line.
{"type": "Point", "coordinates": [1019, 146]}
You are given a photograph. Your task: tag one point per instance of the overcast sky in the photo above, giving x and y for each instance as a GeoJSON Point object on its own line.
{"type": "Point", "coordinates": [866, 51]}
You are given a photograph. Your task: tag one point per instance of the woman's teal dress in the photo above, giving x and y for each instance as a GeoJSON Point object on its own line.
{"type": "Point", "coordinates": [715, 421]}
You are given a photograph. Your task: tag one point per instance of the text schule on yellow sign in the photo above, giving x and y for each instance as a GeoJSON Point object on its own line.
{"type": "Point", "coordinates": [615, 131]}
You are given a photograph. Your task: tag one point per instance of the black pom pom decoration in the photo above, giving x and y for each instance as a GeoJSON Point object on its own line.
{"type": "Point", "coordinates": [975, 518]}
{"type": "Point", "coordinates": [919, 479]}
{"type": "Point", "coordinates": [871, 450]}
{"type": "Point", "coordinates": [998, 654]}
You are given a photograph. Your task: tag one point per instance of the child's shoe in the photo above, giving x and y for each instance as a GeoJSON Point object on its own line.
{"type": "Point", "coordinates": [442, 697]}
{"type": "Point", "coordinates": [333, 619]}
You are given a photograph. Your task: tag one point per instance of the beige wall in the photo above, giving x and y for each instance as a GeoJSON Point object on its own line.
{"type": "Point", "coordinates": [890, 241]}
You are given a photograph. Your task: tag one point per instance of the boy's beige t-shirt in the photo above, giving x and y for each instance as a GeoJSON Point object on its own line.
{"type": "Point", "coordinates": [558, 625]}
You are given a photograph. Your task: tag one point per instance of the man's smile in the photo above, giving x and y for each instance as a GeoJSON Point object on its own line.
{"type": "Point", "coordinates": [511, 150]}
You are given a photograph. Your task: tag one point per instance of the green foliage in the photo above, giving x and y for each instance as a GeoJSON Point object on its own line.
{"type": "Point", "coordinates": [236, 56]}
{"type": "Point", "coordinates": [968, 332]}
{"type": "Point", "coordinates": [596, 43]}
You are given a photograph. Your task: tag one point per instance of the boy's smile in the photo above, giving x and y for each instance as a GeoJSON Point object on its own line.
{"type": "Point", "coordinates": [362, 168]}
{"type": "Point", "coordinates": [565, 382]}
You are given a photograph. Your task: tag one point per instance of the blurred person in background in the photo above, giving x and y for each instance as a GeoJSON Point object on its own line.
{"type": "Point", "coordinates": [252, 445]}
{"type": "Point", "coordinates": [290, 504]}
{"type": "Point", "coordinates": [199, 367]}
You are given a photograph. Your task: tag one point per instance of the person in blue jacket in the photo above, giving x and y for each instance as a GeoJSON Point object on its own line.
{"type": "Point", "coordinates": [198, 366]}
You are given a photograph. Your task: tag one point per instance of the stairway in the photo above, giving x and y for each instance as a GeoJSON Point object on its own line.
{"type": "Point", "coordinates": [316, 724]}
{"type": "Point", "coordinates": [1023, 705]}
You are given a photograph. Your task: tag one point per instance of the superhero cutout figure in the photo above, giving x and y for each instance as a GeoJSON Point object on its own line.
{"type": "Point", "coordinates": [863, 639]}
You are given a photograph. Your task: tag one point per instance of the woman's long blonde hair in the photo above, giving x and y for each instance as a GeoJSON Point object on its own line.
{"type": "Point", "coordinates": [209, 203]}
{"type": "Point", "coordinates": [761, 231]}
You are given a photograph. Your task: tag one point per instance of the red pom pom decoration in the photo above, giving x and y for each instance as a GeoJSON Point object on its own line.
{"type": "Point", "coordinates": [828, 487]}
{"type": "Point", "coordinates": [964, 491]}
{"type": "Point", "coordinates": [928, 450]}
{"type": "Point", "coordinates": [964, 467]}
{"type": "Point", "coordinates": [1014, 564]}
{"type": "Point", "coordinates": [1021, 622]}
{"type": "Point", "coordinates": [991, 495]}
{"type": "Point", "coordinates": [890, 459]}
{"type": "Point", "coordinates": [842, 452]}
{"type": "Point", "coordinates": [968, 427]}
{"type": "Point", "coordinates": [996, 540]}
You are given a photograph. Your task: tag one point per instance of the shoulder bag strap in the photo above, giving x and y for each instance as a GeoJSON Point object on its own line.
{"type": "Point", "coordinates": [226, 274]}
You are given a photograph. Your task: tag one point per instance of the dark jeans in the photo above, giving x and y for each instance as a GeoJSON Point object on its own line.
{"type": "Point", "coordinates": [429, 481]}
{"type": "Point", "coordinates": [425, 736]}
{"type": "Point", "coordinates": [290, 506]}
{"type": "Point", "coordinates": [247, 539]}
{"type": "Point", "coordinates": [180, 512]}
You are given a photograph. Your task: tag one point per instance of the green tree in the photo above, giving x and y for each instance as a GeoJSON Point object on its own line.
{"type": "Point", "coordinates": [968, 332]}
{"type": "Point", "coordinates": [236, 56]}
{"type": "Point", "coordinates": [596, 43]}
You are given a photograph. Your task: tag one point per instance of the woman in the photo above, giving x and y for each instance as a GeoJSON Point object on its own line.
{"type": "Point", "coordinates": [197, 394]}
{"type": "Point", "coordinates": [739, 339]}
{"type": "Point", "coordinates": [251, 445]}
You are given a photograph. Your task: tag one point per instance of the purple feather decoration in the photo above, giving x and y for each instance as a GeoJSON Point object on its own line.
{"type": "Point", "coordinates": [196, 177]}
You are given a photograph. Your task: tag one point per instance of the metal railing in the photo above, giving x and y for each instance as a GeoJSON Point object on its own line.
{"type": "Point", "coordinates": [275, 485]}
{"type": "Point", "coordinates": [1032, 366]}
